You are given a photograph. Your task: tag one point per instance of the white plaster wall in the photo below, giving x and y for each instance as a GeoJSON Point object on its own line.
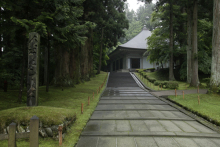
{"type": "Point", "coordinates": [146, 63]}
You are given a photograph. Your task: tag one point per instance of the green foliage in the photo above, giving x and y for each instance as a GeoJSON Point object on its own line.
{"type": "Point", "coordinates": [171, 84]}
{"type": "Point", "coordinates": [157, 83]}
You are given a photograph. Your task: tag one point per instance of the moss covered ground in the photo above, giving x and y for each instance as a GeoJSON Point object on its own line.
{"type": "Point", "coordinates": [208, 107]}
{"type": "Point", "coordinates": [54, 106]}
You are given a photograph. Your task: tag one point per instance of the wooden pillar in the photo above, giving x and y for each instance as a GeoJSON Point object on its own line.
{"type": "Point", "coordinates": [11, 135]}
{"type": "Point", "coordinates": [34, 133]}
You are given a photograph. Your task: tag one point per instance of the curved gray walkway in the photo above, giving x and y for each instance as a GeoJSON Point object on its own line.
{"type": "Point", "coordinates": [128, 116]}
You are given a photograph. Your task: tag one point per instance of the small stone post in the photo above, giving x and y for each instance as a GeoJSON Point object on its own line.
{"type": "Point", "coordinates": [34, 131]}
{"type": "Point", "coordinates": [11, 135]}
{"type": "Point", "coordinates": [33, 69]}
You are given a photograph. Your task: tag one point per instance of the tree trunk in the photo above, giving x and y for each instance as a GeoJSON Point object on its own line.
{"type": "Point", "coordinates": [45, 65]}
{"type": "Point", "coordinates": [62, 74]}
{"type": "Point", "coordinates": [189, 44]}
{"type": "Point", "coordinates": [75, 65]}
{"type": "Point", "coordinates": [195, 78]}
{"type": "Point", "coordinates": [91, 54]}
{"type": "Point", "coordinates": [22, 73]}
{"type": "Point", "coordinates": [84, 60]}
{"type": "Point", "coordinates": [215, 69]}
{"type": "Point", "coordinates": [171, 75]}
{"type": "Point", "coordinates": [100, 56]}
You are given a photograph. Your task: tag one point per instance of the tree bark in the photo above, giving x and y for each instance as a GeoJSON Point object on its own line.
{"type": "Point", "coordinates": [195, 78]}
{"type": "Point", "coordinates": [100, 56]}
{"type": "Point", "coordinates": [22, 72]}
{"type": "Point", "coordinates": [45, 65]}
{"type": "Point", "coordinates": [171, 75]}
{"type": "Point", "coordinates": [189, 43]}
{"type": "Point", "coordinates": [215, 68]}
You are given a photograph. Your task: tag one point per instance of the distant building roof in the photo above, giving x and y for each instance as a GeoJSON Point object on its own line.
{"type": "Point", "coordinates": [139, 41]}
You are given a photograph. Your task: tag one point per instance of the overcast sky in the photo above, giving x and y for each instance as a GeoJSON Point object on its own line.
{"type": "Point", "coordinates": [134, 4]}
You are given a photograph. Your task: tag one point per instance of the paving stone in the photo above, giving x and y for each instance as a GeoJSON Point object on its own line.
{"type": "Point", "coordinates": [87, 142]}
{"type": "Point", "coordinates": [216, 141]}
{"type": "Point", "coordinates": [121, 114]}
{"type": "Point", "coordinates": [168, 114]}
{"type": "Point", "coordinates": [200, 127]}
{"type": "Point", "coordinates": [93, 126]}
{"type": "Point", "coordinates": [123, 125]}
{"type": "Point", "coordinates": [169, 126]}
{"type": "Point", "coordinates": [106, 142]}
{"type": "Point", "coordinates": [154, 125]}
{"type": "Point", "coordinates": [108, 126]}
{"type": "Point", "coordinates": [138, 126]}
{"type": "Point", "coordinates": [126, 142]}
{"type": "Point", "coordinates": [180, 114]}
{"type": "Point", "coordinates": [145, 142]}
{"type": "Point", "coordinates": [184, 126]}
{"type": "Point", "coordinates": [185, 142]}
{"type": "Point", "coordinates": [202, 142]}
{"type": "Point", "coordinates": [166, 142]}
{"type": "Point", "coordinates": [157, 114]}
{"type": "Point", "coordinates": [145, 113]}
{"type": "Point", "coordinates": [133, 114]}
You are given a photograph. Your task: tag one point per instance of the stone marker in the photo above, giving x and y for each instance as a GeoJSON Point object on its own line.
{"type": "Point", "coordinates": [34, 133]}
{"type": "Point", "coordinates": [11, 135]}
{"type": "Point", "coordinates": [33, 69]}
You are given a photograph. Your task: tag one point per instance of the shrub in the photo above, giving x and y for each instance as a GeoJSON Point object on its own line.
{"type": "Point", "coordinates": [151, 69]}
{"type": "Point", "coordinates": [157, 83]}
{"type": "Point", "coordinates": [164, 83]}
{"type": "Point", "coordinates": [207, 82]}
{"type": "Point", "coordinates": [172, 85]}
{"type": "Point", "coordinates": [152, 80]}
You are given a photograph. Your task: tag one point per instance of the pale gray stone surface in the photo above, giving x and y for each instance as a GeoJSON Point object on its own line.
{"type": "Point", "coordinates": [125, 142]}
{"type": "Point", "coordinates": [166, 142]}
{"type": "Point", "coordinates": [145, 142]}
{"type": "Point", "coordinates": [131, 117]}
{"type": "Point", "coordinates": [186, 142]}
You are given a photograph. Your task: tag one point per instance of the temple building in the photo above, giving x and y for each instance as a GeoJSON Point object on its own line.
{"type": "Point", "coordinates": [129, 56]}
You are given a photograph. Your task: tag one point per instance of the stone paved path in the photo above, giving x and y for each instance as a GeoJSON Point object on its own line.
{"type": "Point", "coordinates": [128, 116]}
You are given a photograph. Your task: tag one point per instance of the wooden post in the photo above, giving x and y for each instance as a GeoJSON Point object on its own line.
{"type": "Point", "coordinates": [175, 92]}
{"type": "Point", "coordinates": [183, 94]}
{"type": "Point", "coordinates": [161, 87]}
{"type": "Point", "coordinates": [97, 91]}
{"type": "Point", "coordinates": [198, 100]}
{"type": "Point", "coordinates": [82, 108]}
{"type": "Point", "coordinates": [198, 89]}
{"type": "Point", "coordinates": [93, 95]}
{"type": "Point", "coordinates": [11, 135]}
{"type": "Point", "coordinates": [88, 100]}
{"type": "Point", "coordinates": [34, 131]}
{"type": "Point", "coordinates": [60, 129]}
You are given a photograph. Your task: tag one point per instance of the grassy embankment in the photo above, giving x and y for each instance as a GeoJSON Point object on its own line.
{"type": "Point", "coordinates": [53, 108]}
{"type": "Point", "coordinates": [209, 103]}
{"type": "Point", "coordinates": [161, 76]}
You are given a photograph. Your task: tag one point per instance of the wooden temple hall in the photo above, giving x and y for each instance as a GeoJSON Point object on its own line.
{"type": "Point", "coordinates": [129, 56]}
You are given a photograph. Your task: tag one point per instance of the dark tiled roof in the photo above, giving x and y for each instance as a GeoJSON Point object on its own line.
{"type": "Point", "coordinates": [139, 41]}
